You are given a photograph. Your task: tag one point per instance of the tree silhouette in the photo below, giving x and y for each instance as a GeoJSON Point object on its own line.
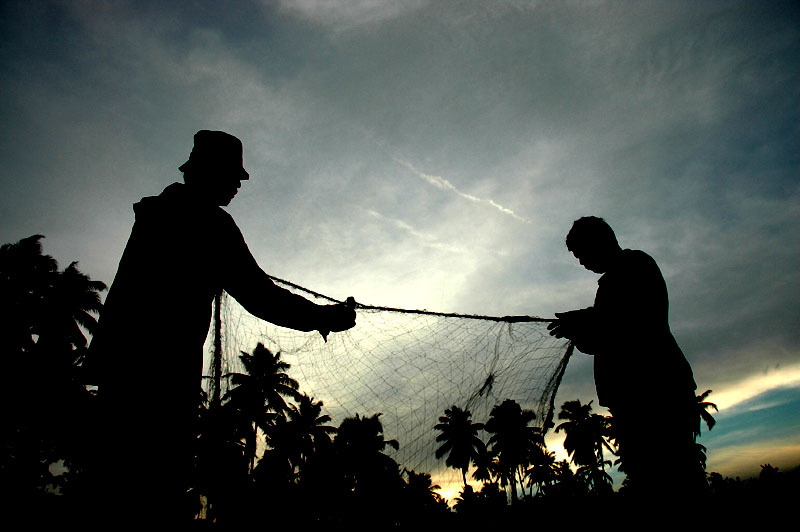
{"type": "Point", "coordinates": [72, 304]}
{"type": "Point", "coordinates": [703, 414]}
{"type": "Point", "coordinates": [423, 507]}
{"type": "Point", "coordinates": [277, 469]}
{"type": "Point", "coordinates": [294, 440]}
{"type": "Point", "coordinates": [484, 466]}
{"type": "Point", "coordinates": [310, 426]}
{"type": "Point", "coordinates": [542, 472]}
{"type": "Point", "coordinates": [513, 442]}
{"type": "Point", "coordinates": [257, 399]}
{"type": "Point", "coordinates": [221, 465]}
{"type": "Point", "coordinates": [26, 276]}
{"type": "Point", "coordinates": [369, 479]}
{"type": "Point", "coordinates": [421, 487]}
{"type": "Point", "coordinates": [460, 441]}
{"type": "Point", "coordinates": [360, 442]}
{"type": "Point", "coordinates": [567, 483]}
{"type": "Point", "coordinates": [586, 438]}
{"type": "Point", "coordinates": [43, 405]}
{"type": "Point", "coordinates": [481, 509]}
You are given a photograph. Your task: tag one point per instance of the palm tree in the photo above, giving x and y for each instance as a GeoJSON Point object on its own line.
{"type": "Point", "coordinates": [598, 480]}
{"type": "Point", "coordinates": [302, 433]}
{"type": "Point", "coordinates": [420, 494]}
{"type": "Point", "coordinates": [363, 437]}
{"type": "Point", "coordinates": [73, 302]}
{"type": "Point", "coordinates": [370, 488]}
{"type": "Point", "coordinates": [566, 482]}
{"type": "Point", "coordinates": [483, 506]}
{"type": "Point", "coordinates": [542, 472]}
{"type": "Point", "coordinates": [359, 445]}
{"type": "Point", "coordinates": [485, 466]}
{"type": "Point", "coordinates": [42, 301]}
{"type": "Point", "coordinates": [460, 440]}
{"type": "Point", "coordinates": [221, 465]}
{"type": "Point", "coordinates": [310, 424]}
{"type": "Point", "coordinates": [466, 500]}
{"type": "Point", "coordinates": [700, 455]}
{"type": "Point", "coordinates": [26, 275]}
{"type": "Point", "coordinates": [703, 414]}
{"type": "Point", "coordinates": [281, 459]}
{"type": "Point", "coordinates": [421, 483]}
{"type": "Point", "coordinates": [513, 443]}
{"type": "Point", "coordinates": [257, 399]}
{"type": "Point", "coordinates": [587, 436]}
{"type": "Point", "coordinates": [40, 323]}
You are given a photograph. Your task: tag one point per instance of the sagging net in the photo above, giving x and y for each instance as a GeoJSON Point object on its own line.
{"type": "Point", "coordinates": [409, 365]}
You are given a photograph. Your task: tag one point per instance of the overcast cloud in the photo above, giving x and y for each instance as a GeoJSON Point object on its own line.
{"type": "Point", "coordinates": [433, 154]}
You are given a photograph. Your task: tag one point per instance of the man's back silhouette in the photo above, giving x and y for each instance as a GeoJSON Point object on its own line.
{"type": "Point", "coordinates": [146, 356]}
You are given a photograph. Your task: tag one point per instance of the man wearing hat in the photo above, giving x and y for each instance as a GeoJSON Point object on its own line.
{"type": "Point", "coordinates": [147, 354]}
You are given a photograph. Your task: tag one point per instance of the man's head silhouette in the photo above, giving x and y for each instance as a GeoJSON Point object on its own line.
{"type": "Point", "coordinates": [593, 243]}
{"type": "Point", "coordinates": [215, 168]}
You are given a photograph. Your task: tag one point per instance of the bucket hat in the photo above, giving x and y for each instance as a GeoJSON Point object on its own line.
{"type": "Point", "coordinates": [216, 151]}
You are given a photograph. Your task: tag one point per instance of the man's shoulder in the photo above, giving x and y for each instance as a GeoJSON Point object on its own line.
{"type": "Point", "coordinates": [631, 264]}
{"type": "Point", "coordinates": [169, 200]}
{"type": "Point", "coordinates": [636, 264]}
{"type": "Point", "coordinates": [176, 202]}
{"type": "Point", "coordinates": [636, 258]}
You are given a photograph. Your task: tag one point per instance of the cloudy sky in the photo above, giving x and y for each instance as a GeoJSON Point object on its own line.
{"type": "Point", "coordinates": [433, 154]}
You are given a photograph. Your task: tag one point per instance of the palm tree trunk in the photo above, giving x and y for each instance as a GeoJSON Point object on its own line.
{"type": "Point", "coordinates": [513, 483]}
{"type": "Point", "coordinates": [217, 371]}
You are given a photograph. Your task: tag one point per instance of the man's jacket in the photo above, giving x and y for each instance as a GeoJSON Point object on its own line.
{"type": "Point", "coordinates": [157, 313]}
{"type": "Point", "coordinates": [627, 330]}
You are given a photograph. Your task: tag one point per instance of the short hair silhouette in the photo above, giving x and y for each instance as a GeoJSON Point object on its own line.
{"type": "Point", "coordinates": [590, 231]}
{"type": "Point", "coordinates": [638, 364]}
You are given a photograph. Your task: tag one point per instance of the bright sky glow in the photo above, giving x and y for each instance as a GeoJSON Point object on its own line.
{"type": "Point", "coordinates": [755, 385]}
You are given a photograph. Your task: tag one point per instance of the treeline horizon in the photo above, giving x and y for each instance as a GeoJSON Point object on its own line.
{"type": "Point", "coordinates": [309, 471]}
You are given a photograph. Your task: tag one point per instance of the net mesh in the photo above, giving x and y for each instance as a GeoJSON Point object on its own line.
{"type": "Point", "coordinates": [409, 366]}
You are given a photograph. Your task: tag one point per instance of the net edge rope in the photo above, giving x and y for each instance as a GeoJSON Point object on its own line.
{"type": "Point", "coordinates": [362, 306]}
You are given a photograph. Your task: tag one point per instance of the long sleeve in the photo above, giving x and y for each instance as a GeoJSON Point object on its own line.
{"type": "Point", "coordinates": [246, 282]}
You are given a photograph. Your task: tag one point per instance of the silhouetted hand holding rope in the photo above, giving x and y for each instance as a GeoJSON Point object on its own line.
{"type": "Point", "coordinates": [338, 317]}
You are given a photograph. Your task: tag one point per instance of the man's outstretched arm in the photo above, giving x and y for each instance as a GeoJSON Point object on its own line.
{"type": "Point", "coordinates": [265, 300]}
{"type": "Point", "coordinates": [248, 284]}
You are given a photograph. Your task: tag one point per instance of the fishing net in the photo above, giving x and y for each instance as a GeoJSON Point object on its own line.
{"type": "Point", "coordinates": [408, 365]}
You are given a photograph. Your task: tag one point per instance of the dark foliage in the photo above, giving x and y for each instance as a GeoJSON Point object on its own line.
{"type": "Point", "coordinates": [46, 411]}
{"type": "Point", "coordinates": [305, 473]}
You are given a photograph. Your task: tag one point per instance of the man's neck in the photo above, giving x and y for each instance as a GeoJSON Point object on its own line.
{"type": "Point", "coordinates": [200, 195]}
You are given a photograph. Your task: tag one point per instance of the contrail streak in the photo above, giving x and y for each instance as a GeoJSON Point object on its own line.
{"type": "Point", "coordinates": [427, 239]}
{"type": "Point", "coordinates": [444, 184]}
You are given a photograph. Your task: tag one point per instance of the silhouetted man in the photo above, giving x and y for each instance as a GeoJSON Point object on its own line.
{"type": "Point", "coordinates": [640, 372]}
{"type": "Point", "coordinates": [147, 354]}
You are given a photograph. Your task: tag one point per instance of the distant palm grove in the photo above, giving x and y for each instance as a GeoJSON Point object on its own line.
{"type": "Point", "coordinates": [266, 452]}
